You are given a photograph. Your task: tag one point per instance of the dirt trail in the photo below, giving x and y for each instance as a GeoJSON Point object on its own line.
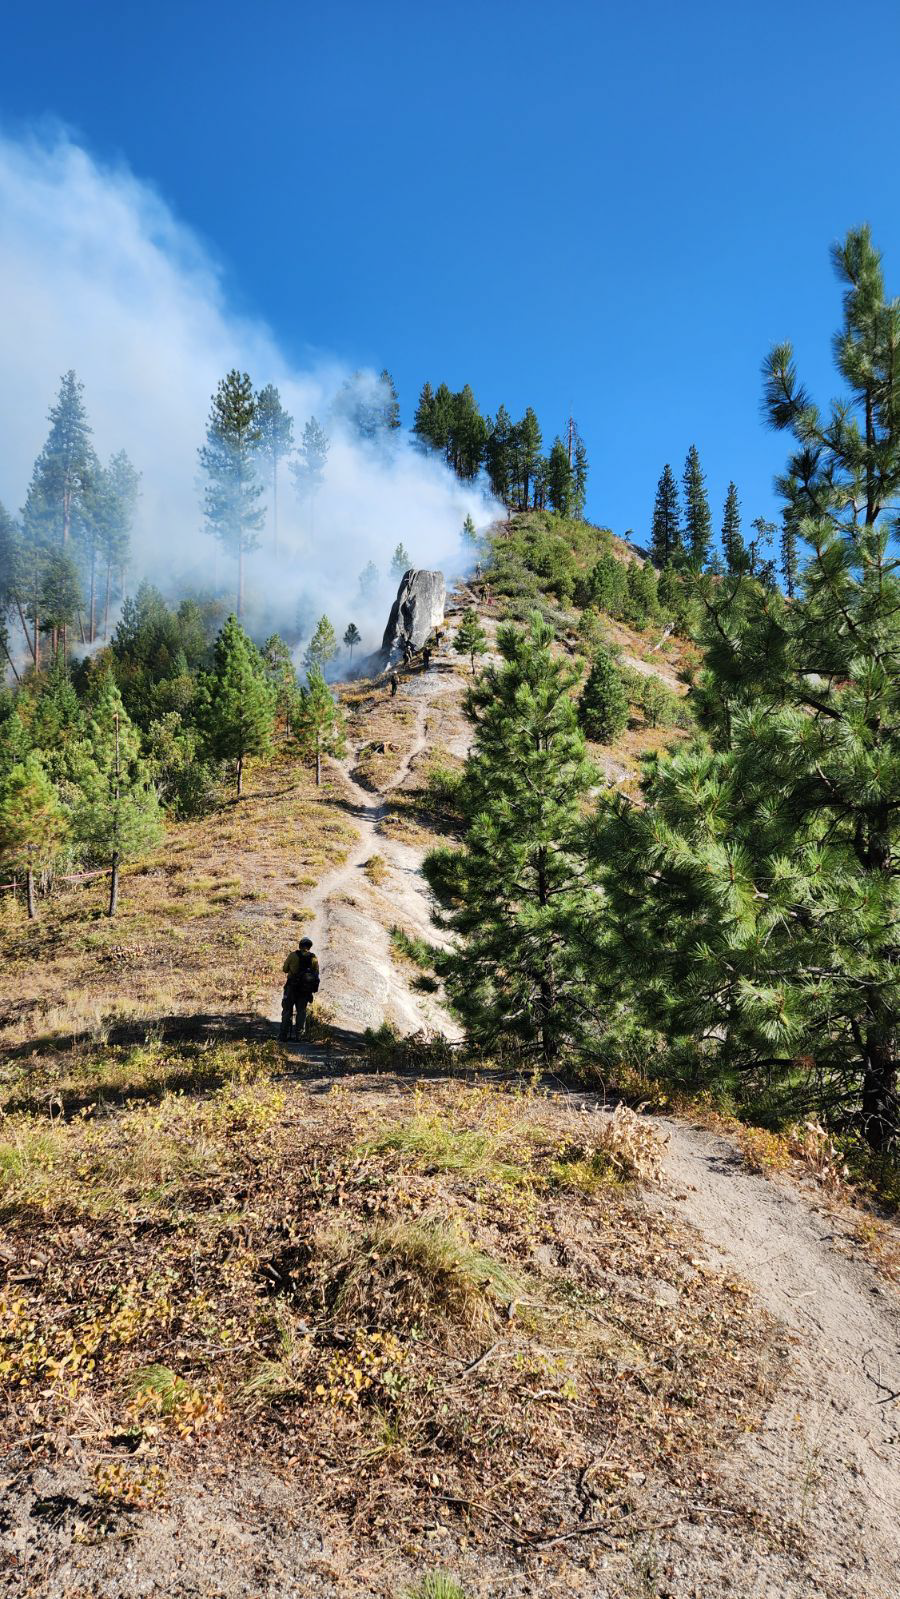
{"type": "Point", "coordinates": [824, 1468]}
{"type": "Point", "coordinates": [363, 985]}
{"type": "Point", "coordinates": [827, 1460]}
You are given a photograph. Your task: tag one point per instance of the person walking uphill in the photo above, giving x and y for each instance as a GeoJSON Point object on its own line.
{"type": "Point", "coordinates": [302, 971]}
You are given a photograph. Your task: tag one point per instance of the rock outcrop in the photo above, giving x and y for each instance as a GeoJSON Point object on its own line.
{"type": "Point", "coordinates": [415, 613]}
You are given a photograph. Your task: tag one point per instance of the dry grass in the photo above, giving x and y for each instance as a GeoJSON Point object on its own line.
{"type": "Point", "coordinates": [208, 1265]}
{"type": "Point", "coordinates": [203, 922]}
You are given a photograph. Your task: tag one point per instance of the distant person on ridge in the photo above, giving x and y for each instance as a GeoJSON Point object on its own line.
{"type": "Point", "coordinates": [302, 971]}
{"type": "Point", "coordinates": [426, 658]}
{"type": "Point", "coordinates": [395, 684]}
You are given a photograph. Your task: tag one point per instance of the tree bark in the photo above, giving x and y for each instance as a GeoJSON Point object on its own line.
{"type": "Point", "coordinates": [106, 602]}
{"type": "Point", "coordinates": [240, 776]}
{"type": "Point", "coordinates": [28, 639]}
{"type": "Point", "coordinates": [114, 885]}
{"type": "Point", "coordinates": [879, 1091]}
{"type": "Point", "coordinates": [93, 617]}
{"type": "Point", "coordinates": [29, 892]}
{"type": "Point", "coordinates": [318, 766]}
{"type": "Point", "coordinates": [240, 592]}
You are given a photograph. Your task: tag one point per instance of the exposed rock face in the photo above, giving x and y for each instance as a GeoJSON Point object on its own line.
{"type": "Point", "coordinates": [417, 610]}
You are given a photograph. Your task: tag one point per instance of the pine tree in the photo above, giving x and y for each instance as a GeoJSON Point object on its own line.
{"type": "Point", "coordinates": [733, 548]}
{"type": "Point", "coordinates": [603, 707]}
{"type": "Point", "coordinates": [759, 567]}
{"type": "Point", "coordinates": [389, 419]}
{"type": "Point", "coordinates": [278, 664]}
{"type": "Point", "coordinates": [468, 436]}
{"type": "Point", "coordinates": [117, 816]}
{"type": "Point", "coordinates": [423, 419]}
{"type": "Point", "coordinates": [352, 637]}
{"type": "Point", "coordinates": [517, 893]}
{"type": "Point", "coordinates": [60, 598]}
{"type": "Point", "coordinates": [322, 647]}
{"type": "Point", "coordinates": [697, 521]}
{"type": "Point", "coordinates": [641, 603]}
{"type": "Point", "coordinates": [471, 639]}
{"type": "Point", "coordinates": [64, 469]}
{"type": "Point", "coordinates": [665, 536]}
{"type": "Point", "coordinates": [401, 561]}
{"type": "Point", "coordinates": [755, 890]}
{"type": "Point", "coordinates": [526, 445]}
{"type": "Point", "coordinates": [559, 478]}
{"type": "Point", "coordinates": [113, 508]}
{"type": "Point", "coordinates": [607, 584]}
{"type": "Point", "coordinates": [789, 566]}
{"type": "Point", "coordinates": [233, 491]}
{"type": "Point", "coordinates": [499, 451]}
{"type": "Point", "coordinates": [580, 473]}
{"type": "Point", "coordinates": [469, 530]}
{"type": "Point", "coordinates": [32, 822]}
{"type": "Point", "coordinates": [368, 582]}
{"type": "Point", "coordinates": [310, 462]}
{"type": "Point", "coordinates": [12, 587]}
{"type": "Point", "coordinates": [240, 701]}
{"type": "Point", "coordinates": [318, 724]}
{"type": "Point", "coordinates": [276, 441]}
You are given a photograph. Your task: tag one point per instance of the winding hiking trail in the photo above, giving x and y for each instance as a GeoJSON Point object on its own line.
{"type": "Point", "coordinates": [809, 1503]}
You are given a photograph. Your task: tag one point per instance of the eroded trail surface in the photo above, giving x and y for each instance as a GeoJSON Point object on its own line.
{"type": "Point", "coordinates": [825, 1465]}
{"type": "Point", "coordinates": [805, 1505]}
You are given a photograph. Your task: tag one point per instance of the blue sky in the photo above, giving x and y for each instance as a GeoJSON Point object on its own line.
{"type": "Point", "coordinates": [613, 210]}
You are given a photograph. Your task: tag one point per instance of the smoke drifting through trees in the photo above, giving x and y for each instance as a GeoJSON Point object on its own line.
{"type": "Point", "coordinates": [100, 279]}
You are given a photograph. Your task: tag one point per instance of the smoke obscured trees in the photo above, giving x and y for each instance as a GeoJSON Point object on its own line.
{"type": "Point", "coordinates": [308, 465]}
{"type": "Point", "coordinates": [276, 441]}
{"type": "Point", "coordinates": [233, 492]}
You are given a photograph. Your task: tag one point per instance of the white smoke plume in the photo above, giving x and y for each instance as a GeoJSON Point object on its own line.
{"type": "Point", "coordinates": [97, 274]}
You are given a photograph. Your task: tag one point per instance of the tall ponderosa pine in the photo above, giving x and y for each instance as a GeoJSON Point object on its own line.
{"type": "Point", "coordinates": [121, 483]}
{"type": "Point", "coordinates": [64, 469]}
{"type": "Point", "coordinates": [32, 823]}
{"type": "Point", "coordinates": [240, 708]}
{"type": "Point", "coordinates": [697, 521]}
{"type": "Point", "coordinates": [559, 479]}
{"type": "Point", "coordinates": [309, 463]}
{"type": "Point", "coordinates": [580, 474]}
{"type": "Point", "coordinates": [527, 443]}
{"type": "Point", "coordinates": [276, 441]}
{"type": "Point", "coordinates": [318, 722]}
{"type": "Point", "coordinates": [499, 455]}
{"type": "Point", "coordinates": [517, 893]}
{"type": "Point", "coordinates": [665, 535]}
{"type": "Point", "coordinates": [733, 549]}
{"type": "Point", "coordinates": [756, 889]}
{"type": "Point", "coordinates": [233, 491]}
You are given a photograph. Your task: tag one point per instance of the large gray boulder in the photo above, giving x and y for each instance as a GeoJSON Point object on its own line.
{"type": "Point", "coordinates": [415, 613]}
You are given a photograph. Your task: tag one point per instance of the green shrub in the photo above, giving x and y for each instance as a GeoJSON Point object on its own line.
{"type": "Point", "coordinates": [603, 707]}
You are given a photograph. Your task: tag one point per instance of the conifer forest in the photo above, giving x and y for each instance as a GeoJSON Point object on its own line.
{"type": "Point", "coordinates": [450, 982]}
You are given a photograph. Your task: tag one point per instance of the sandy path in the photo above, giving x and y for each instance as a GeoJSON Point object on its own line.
{"type": "Point", "coordinates": [362, 983]}
{"type": "Point", "coordinates": [827, 1459]}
